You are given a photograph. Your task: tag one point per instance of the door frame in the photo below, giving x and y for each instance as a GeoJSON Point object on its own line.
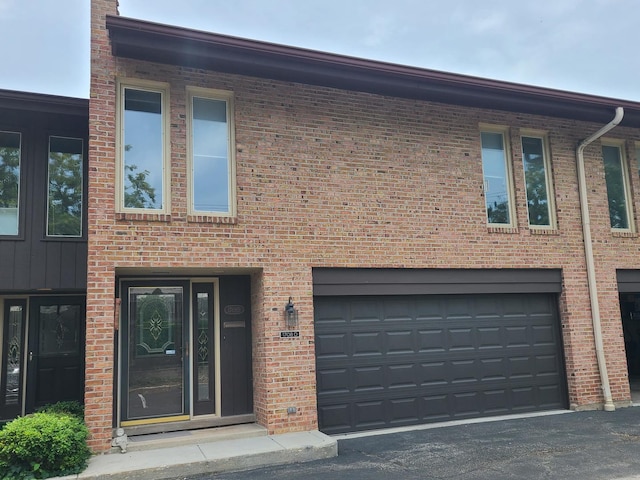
{"type": "Point", "coordinates": [30, 343]}
{"type": "Point", "coordinates": [188, 345]}
{"type": "Point", "coordinates": [125, 345]}
{"type": "Point", "coordinates": [33, 343]}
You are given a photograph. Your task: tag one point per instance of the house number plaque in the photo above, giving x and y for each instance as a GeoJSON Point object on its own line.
{"type": "Point", "coordinates": [289, 334]}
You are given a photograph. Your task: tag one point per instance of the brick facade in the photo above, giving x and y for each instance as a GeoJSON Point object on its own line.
{"type": "Point", "coordinates": [332, 178]}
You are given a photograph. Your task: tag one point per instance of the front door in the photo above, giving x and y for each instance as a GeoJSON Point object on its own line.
{"type": "Point", "coordinates": [55, 358]}
{"type": "Point", "coordinates": [185, 350]}
{"type": "Point", "coordinates": [155, 343]}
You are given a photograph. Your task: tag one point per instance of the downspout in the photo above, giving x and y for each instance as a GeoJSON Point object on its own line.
{"type": "Point", "coordinates": [588, 253]}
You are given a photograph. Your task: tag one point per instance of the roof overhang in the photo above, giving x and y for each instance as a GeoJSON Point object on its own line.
{"type": "Point", "coordinates": [42, 103]}
{"type": "Point", "coordinates": [153, 42]}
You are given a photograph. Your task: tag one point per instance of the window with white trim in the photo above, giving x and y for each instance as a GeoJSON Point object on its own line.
{"type": "Point", "coordinates": [537, 178]}
{"type": "Point", "coordinates": [211, 152]}
{"type": "Point", "coordinates": [497, 178]}
{"type": "Point", "coordinates": [143, 167]}
{"type": "Point", "coordinates": [617, 181]}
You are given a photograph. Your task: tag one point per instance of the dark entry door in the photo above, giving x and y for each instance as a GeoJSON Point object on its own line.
{"type": "Point", "coordinates": [55, 359]}
{"type": "Point", "coordinates": [154, 362]}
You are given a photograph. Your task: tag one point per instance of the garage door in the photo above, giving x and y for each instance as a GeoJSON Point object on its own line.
{"type": "Point", "coordinates": [388, 361]}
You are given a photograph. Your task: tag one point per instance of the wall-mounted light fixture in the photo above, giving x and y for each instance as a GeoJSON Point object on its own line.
{"type": "Point", "coordinates": [290, 315]}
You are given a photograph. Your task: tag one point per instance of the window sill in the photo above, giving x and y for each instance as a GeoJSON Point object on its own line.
{"type": "Point", "coordinates": [495, 229]}
{"type": "Point", "coordinates": [212, 219]}
{"type": "Point", "coordinates": [623, 234]}
{"type": "Point", "coordinates": [544, 231]}
{"type": "Point", "coordinates": [144, 217]}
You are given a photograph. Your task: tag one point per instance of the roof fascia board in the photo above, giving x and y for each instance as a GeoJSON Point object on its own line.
{"type": "Point", "coordinates": [42, 103]}
{"type": "Point", "coordinates": [159, 43]}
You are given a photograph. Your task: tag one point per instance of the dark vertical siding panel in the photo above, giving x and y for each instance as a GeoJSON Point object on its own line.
{"type": "Point", "coordinates": [7, 258]}
{"type": "Point", "coordinates": [33, 261]}
{"type": "Point", "coordinates": [52, 253]}
{"type": "Point", "coordinates": [67, 264]}
{"type": "Point", "coordinates": [81, 265]}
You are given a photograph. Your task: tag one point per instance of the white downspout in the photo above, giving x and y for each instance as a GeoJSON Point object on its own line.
{"type": "Point", "coordinates": [588, 253]}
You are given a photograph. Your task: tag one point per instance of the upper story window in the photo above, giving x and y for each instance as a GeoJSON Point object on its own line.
{"type": "Point", "coordinates": [497, 178]}
{"type": "Point", "coordinates": [9, 183]}
{"type": "Point", "coordinates": [211, 148]}
{"type": "Point", "coordinates": [617, 187]}
{"type": "Point", "coordinates": [64, 195]}
{"type": "Point", "coordinates": [538, 181]}
{"type": "Point", "coordinates": [143, 167]}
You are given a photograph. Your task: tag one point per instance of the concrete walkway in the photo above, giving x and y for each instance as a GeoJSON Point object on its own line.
{"type": "Point", "coordinates": [173, 459]}
{"type": "Point", "coordinates": [551, 445]}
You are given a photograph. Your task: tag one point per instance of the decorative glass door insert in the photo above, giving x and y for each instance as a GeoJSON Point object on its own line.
{"type": "Point", "coordinates": [204, 355]}
{"type": "Point", "coordinates": [155, 370]}
{"type": "Point", "coordinates": [13, 358]}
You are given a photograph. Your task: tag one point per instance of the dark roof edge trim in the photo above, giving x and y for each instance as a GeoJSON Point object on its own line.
{"type": "Point", "coordinates": [212, 40]}
{"type": "Point", "coordinates": [43, 102]}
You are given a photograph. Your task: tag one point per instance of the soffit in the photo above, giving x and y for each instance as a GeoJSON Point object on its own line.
{"type": "Point", "coordinates": [42, 103]}
{"type": "Point", "coordinates": [141, 40]}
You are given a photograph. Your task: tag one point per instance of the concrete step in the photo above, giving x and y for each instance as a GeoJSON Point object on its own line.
{"type": "Point", "coordinates": [155, 441]}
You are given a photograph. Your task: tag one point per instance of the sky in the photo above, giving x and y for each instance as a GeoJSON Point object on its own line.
{"type": "Point", "coordinates": [587, 46]}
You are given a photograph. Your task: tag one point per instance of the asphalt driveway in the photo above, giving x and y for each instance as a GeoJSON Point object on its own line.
{"type": "Point", "coordinates": [575, 445]}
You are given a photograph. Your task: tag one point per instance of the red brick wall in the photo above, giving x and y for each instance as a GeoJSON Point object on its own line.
{"type": "Point", "coordinates": [99, 375]}
{"type": "Point", "coordinates": [330, 178]}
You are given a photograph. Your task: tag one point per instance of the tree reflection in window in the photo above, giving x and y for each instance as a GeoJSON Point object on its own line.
{"type": "Point", "coordinates": [616, 188]}
{"type": "Point", "coordinates": [143, 150]}
{"type": "Point", "coordinates": [64, 209]}
{"type": "Point", "coordinates": [496, 186]}
{"type": "Point", "coordinates": [9, 182]}
{"type": "Point", "coordinates": [536, 181]}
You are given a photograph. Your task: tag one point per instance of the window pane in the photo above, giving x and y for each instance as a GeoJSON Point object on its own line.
{"type": "Point", "coordinates": [59, 327]}
{"type": "Point", "coordinates": [496, 186]}
{"type": "Point", "coordinates": [536, 181]}
{"type": "Point", "coordinates": [203, 353]}
{"type": "Point", "coordinates": [155, 386]}
{"type": "Point", "coordinates": [143, 149]}
{"type": "Point", "coordinates": [13, 353]}
{"type": "Point", "coordinates": [210, 147]}
{"type": "Point", "coordinates": [64, 206]}
{"type": "Point", "coordinates": [616, 190]}
{"type": "Point", "coordinates": [9, 182]}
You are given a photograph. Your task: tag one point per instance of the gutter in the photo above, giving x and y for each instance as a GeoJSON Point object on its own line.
{"type": "Point", "coordinates": [588, 253]}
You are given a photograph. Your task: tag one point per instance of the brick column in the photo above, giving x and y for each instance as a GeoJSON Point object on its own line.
{"type": "Point", "coordinates": [100, 349]}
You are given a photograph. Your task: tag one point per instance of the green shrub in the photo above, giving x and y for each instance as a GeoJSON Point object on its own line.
{"type": "Point", "coordinates": [43, 445]}
{"type": "Point", "coordinates": [70, 407]}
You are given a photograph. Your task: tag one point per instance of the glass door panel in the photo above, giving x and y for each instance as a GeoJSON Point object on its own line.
{"type": "Point", "coordinates": [56, 350]}
{"type": "Point", "coordinates": [204, 353]}
{"type": "Point", "coordinates": [12, 358]}
{"type": "Point", "coordinates": [154, 345]}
